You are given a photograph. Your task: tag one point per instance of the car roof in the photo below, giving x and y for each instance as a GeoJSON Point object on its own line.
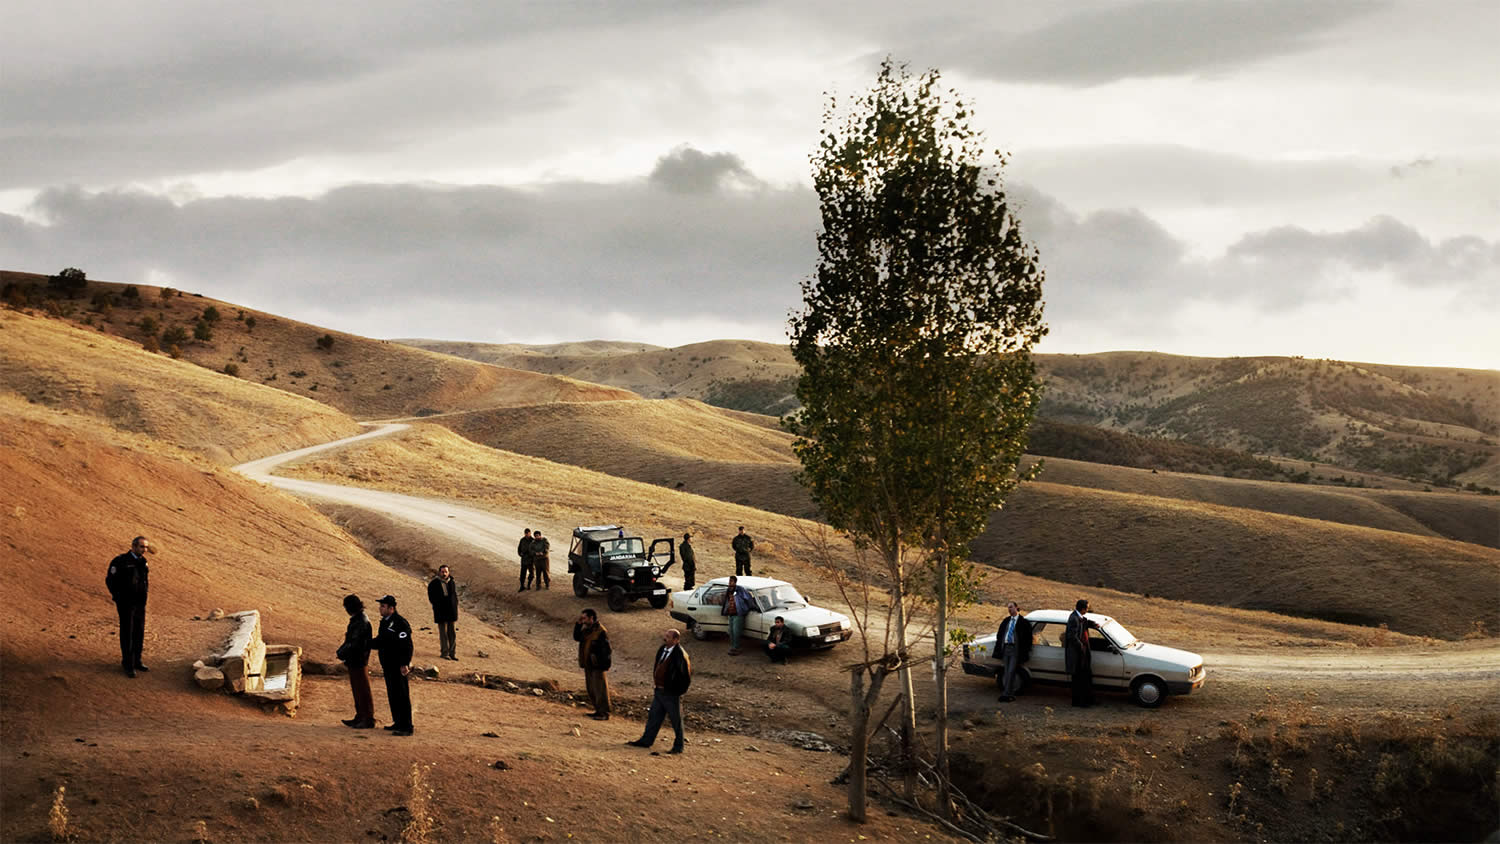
{"type": "Point", "coordinates": [1061, 617]}
{"type": "Point", "coordinates": [749, 582]}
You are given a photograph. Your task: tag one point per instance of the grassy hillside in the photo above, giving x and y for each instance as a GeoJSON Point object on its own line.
{"type": "Point", "coordinates": [365, 378]}
{"type": "Point", "coordinates": [1431, 424]}
{"type": "Point", "coordinates": [53, 364]}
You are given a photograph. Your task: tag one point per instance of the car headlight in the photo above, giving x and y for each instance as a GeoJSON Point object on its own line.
{"type": "Point", "coordinates": [655, 570]}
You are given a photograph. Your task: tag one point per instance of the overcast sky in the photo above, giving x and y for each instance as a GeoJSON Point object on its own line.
{"type": "Point", "coordinates": [1206, 177]}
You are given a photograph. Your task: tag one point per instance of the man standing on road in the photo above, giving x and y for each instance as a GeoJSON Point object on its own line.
{"type": "Point", "coordinates": [355, 654]}
{"type": "Point", "coordinates": [673, 673]}
{"type": "Point", "coordinates": [442, 593]}
{"type": "Point", "coordinates": [689, 562]}
{"type": "Point", "coordinates": [1080, 664]}
{"type": "Point", "coordinates": [742, 545]}
{"type": "Point", "coordinates": [128, 583]}
{"type": "Point", "coordinates": [737, 605]}
{"type": "Point", "coordinates": [539, 563]}
{"type": "Point", "coordinates": [394, 644]}
{"type": "Point", "coordinates": [1014, 641]}
{"type": "Point", "coordinates": [523, 550]}
{"type": "Point", "coordinates": [594, 657]}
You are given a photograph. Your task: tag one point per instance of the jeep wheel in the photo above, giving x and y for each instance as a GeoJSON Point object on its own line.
{"type": "Point", "coordinates": [1148, 692]}
{"type": "Point", "coordinates": [616, 598]}
{"type": "Point", "coordinates": [580, 589]}
{"type": "Point", "coordinates": [658, 602]}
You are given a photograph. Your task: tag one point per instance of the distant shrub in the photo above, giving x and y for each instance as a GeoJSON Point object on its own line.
{"type": "Point", "coordinates": [232, 369]}
{"type": "Point", "coordinates": [314, 387]}
{"type": "Point", "coordinates": [210, 314]}
{"type": "Point", "coordinates": [203, 331]}
{"type": "Point", "coordinates": [167, 293]}
{"type": "Point", "coordinates": [326, 342]}
{"type": "Point", "coordinates": [148, 325]}
{"type": "Point", "coordinates": [132, 295]}
{"type": "Point", "coordinates": [297, 373]}
{"type": "Point", "coordinates": [173, 336]}
{"type": "Point", "coordinates": [249, 323]}
{"type": "Point", "coordinates": [175, 351]}
{"type": "Point", "coordinates": [69, 282]}
{"type": "Point", "coordinates": [150, 344]}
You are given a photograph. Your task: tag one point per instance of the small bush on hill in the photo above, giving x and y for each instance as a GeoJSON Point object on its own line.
{"type": "Point", "coordinates": [69, 282]}
{"type": "Point", "coordinates": [326, 342]}
{"type": "Point", "coordinates": [148, 325]}
{"type": "Point", "coordinates": [203, 331]}
{"type": "Point", "coordinates": [173, 336]}
{"type": "Point", "coordinates": [249, 323]}
{"type": "Point", "coordinates": [210, 314]}
{"type": "Point", "coordinates": [232, 369]}
{"type": "Point", "coordinates": [150, 344]}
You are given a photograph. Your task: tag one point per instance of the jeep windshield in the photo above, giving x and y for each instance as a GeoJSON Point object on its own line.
{"type": "Point", "coordinates": [632, 546]}
{"type": "Point", "coordinates": [773, 597]}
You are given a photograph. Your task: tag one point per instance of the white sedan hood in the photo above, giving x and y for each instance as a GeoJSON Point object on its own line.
{"type": "Point", "coordinates": [1164, 657]}
{"type": "Point", "coordinates": [806, 617]}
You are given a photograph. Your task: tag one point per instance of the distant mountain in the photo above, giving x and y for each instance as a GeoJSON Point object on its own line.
{"type": "Point", "coordinates": [1431, 425]}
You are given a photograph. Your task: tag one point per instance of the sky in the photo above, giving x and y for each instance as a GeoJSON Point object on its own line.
{"type": "Point", "coordinates": [1200, 177]}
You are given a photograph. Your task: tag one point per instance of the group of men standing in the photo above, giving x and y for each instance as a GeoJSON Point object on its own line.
{"type": "Point", "coordinates": [394, 644]}
{"type": "Point", "coordinates": [1013, 647]}
{"type": "Point", "coordinates": [535, 566]}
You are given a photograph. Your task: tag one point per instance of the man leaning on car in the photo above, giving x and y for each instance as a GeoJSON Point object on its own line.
{"type": "Point", "coordinates": [1014, 640]}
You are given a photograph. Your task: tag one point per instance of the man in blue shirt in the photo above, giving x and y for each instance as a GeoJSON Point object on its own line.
{"type": "Point", "coordinates": [1013, 641]}
{"type": "Point", "coordinates": [737, 605]}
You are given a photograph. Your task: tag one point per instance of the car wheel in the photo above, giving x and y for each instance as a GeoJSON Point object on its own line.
{"type": "Point", "coordinates": [1148, 692]}
{"type": "Point", "coordinates": [658, 602]}
{"type": "Point", "coordinates": [616, 598]}
{"type": "Point", "coordinates": [698, 632]}
{"type": "Point", "coordinates": [580, 589]}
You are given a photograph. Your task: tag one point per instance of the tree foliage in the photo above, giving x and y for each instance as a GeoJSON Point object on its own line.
{"type": "Point", "coordinates": [914, 340]}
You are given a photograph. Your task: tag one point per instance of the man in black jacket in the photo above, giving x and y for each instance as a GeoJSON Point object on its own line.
{"type": "Point", "coordinates": [128, 583]}
{"type": "Point", "coordinates": [1013, 642]}
{"type": "Point", "coordinates": [689, 562]}
{"type": "Point", "coordinates": [355, 654]}
{"type": "Point", "coordinates": [442, 593]}
{"type": "Point", "coordinates": [595, 656]}
{"type": "Point", "coordinates": [742, 545]}
{"type": "Point", "coordinates": [394, 644]}
{"type": "Point", "coordinates": [523, 550]}
{"type": "Point", "coordinates": [1080, 658]}
{"type": "Point", "coordinates": [673, 673]}
{"type": "Point", "coordinates": [540, 565]}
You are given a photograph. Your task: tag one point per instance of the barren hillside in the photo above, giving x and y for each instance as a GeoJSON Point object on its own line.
{"type": "Point", "coordinates": [368, 379]}
{"type": "Point", "coordinates": [51, 363]}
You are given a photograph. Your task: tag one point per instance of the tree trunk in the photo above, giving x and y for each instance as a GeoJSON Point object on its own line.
{"type": "Point", "coordinates": [861, 704]}
{"type": "Point", "coordinates": [908, 705]}
{"type": "Point", "coordinates": [940, 665]}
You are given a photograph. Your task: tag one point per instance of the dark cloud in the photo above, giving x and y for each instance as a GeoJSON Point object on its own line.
{"type": "Point", "coordinates": [562, 260]}
{"type": "Point", "coordinates": [687, 170]}
{"type": "Point", "coordinates": [1144, 38]}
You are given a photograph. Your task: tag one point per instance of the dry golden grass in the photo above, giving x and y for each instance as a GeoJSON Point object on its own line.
{"type": "Point", "coordinates": [52, 364]}
{"type": "Point", "coordinates": [366, 378]}
{"type": "Point", "coordinates": [431, 461]}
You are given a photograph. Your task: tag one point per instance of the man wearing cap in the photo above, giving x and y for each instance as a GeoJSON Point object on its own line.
{"type": "Point", "coordinates": [128, 582]}
{"type": "Point", "coordinates": [394, 643]}
{"type": "Point", "coordinates": [742, 545]}
{"type": "Point", "coordinates": [689, 562]}
{"type": "Point", "coordinates": [540, 565]}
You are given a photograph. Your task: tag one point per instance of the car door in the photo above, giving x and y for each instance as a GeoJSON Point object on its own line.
{"type": "Point", "coordinates": [709, 612]}
{"type": "Point", "coordinates": [759, 618]}
{"type": "Point", "coordinates": [1048, 663]}
{"type": "Point", "coordinates": [1108, 664]}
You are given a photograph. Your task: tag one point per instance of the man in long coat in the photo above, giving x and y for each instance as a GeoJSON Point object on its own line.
{"type": "Point", "coordinates": [1080, 660]}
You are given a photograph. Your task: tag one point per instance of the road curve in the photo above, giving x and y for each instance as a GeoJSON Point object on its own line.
{"type": "Point", "coordinates": [479, 528]}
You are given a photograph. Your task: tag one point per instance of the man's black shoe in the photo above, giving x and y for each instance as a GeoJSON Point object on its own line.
{"type": "Point", "coordinates": [390, 727]}
{"type": "Point", "coordinates": [130, 672]}
{"type": "Point", "coordinates": [140, 667]}
{"type": "Point", "coordinates": [401, 732]}
{"type": "Point", "coordinates": [599, 716]}
{"type": "Point", "coordinates": [675, 750]}
{"type": "Point", "coordinates": [363, 725]}
{"type": "Point", "coordinates": [637, 744]}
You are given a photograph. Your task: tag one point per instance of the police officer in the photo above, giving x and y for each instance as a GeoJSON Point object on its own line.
{"type": "Point", "coordinates": [395, 646]}
{"type": "Point", "coordinates": [689, 562]}
{"type": "Point", "coordinates": [742, 545]}
{"type": "Point", "coordinates": [128, 582]}
{"type": "Point", "coordinates": [523, 550]}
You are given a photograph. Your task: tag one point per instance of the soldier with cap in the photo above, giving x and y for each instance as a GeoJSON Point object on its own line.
{"type": "Point", "coordinates": [539, 563]}
{"type": "Point", "coordinates": [395, 647]}
{"type": "Point", "coordinates": [689, 562]}
{"type": "Point", "coordinates": [742, 545]}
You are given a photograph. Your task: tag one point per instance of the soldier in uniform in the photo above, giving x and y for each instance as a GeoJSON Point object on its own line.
{"type": "Point", "coordinates": [523, 550]}
{"type": "Point", "coordinates": [539, 563]}
{"type": "Point", "coordinates": [689, 562]}
{"type": "Point", "coordinates": [742, 545]}
{"type": "Point", "coordinates": [395, 646]}
{"type": "Point", "coordinates": [128, 582]}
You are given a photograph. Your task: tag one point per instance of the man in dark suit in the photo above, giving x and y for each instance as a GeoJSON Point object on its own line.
{"type": "Point", "coordinates": [523, 550]}
{"type": "Point", "coordinates": [442, 593]}
{"type": "Point", "coordinates": [689, 561]}
{"type": "Point", "coordinates": [355, 654]}
{"type": "Point", "coordinates": [1013, 640]}
{"type": "Point", "coordinates": [673, 672]}
{"type": "Point", "coordinates": [1080, 662]}
{"type": "Point", "coordinates": [128, 582]}
{"type": "Point", "coordinates": [394, 643]}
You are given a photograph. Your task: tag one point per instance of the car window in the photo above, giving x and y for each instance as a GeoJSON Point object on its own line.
{"type": "Point", "coordinates": [1041, 634]}
{"type": "Point", "coordinates": [784, 595]}
{"type": "Point", "coordinates": [1119, 634]}
{"type": "Point", "coordinates": [715, 595]}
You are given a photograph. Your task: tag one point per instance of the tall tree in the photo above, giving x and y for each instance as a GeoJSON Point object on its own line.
{"type": "Point", "coordinates": [917, 383]}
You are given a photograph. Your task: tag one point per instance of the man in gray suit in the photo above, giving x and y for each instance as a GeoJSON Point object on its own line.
{"type": "Point", "coordinates": [1013, 640]}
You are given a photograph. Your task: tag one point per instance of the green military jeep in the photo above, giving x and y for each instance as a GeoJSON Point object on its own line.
{"type": "Point", "coordinates": [603, 559]}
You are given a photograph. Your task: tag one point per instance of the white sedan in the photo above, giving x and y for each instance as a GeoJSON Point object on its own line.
{"type": "Point", "coordinates": [809, 627]}
{"type": "Point", "coordinates": [1121, 662]}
